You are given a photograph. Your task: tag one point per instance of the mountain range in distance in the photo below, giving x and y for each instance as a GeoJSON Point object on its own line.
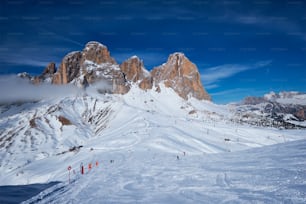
{"type": "Point", "coordinates": [94, 64]}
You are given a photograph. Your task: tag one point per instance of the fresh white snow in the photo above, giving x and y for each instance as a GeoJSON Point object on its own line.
{"type": "Point", "coordinates": [143, 133]}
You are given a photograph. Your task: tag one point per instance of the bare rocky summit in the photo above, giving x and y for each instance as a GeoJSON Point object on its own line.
{"type": "Point", "coordinates": [69, 69]}
{"type": "Point", "coordinates": [94, 63]}
{"type": "Point", "coordinates": [180, 74]}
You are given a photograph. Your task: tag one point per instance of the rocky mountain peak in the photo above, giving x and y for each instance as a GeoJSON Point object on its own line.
{"type": "Point", "coordinates": [94, 63]}
{"type": "Point", "coordinates": [182, 75]}
{"type": "Point", "coordinates": [50, 69]}
{"type": "Point", "coordinates": [69, 68]}
{"type": "Point", "coordinates": [97, 53]}
{"type": "Point", "coordinates": [176, 58]}
{"type": "Point", "coordinates": [133, 69]}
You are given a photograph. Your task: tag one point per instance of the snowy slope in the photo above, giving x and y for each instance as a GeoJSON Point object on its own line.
{"type": "Point", "coordinates": [34, 134]}
{"type": "Point", "coordinates": [274, 174]}
{"type": "Point", "coordinates": [143, 132]}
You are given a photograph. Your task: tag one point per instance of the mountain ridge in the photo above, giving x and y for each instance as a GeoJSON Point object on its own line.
{"type": "Point", "coordinates": [94, 63]}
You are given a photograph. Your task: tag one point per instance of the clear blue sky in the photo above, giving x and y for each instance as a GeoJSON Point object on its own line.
{"type": "Point", "coordinates": [241, 48]}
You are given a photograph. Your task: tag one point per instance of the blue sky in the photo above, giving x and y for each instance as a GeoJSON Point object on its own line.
{"type": "Point", "coordinates": [241, 48]}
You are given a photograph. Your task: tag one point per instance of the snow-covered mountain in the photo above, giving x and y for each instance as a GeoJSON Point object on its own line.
{"type": "Point", "coordinates": [95, 64]}
{"type": "Point", "coordinates": [142, 137]}
{"type": "Point", "coordinates": [285, 110]}
{"type": "Point", "coordinates": [132, 142]}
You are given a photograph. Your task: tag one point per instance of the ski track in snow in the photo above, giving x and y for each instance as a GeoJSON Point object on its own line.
{"type": "Point", "coordinates": [143, 133]}
{"type": "Point", "coordinates": [252, 176]}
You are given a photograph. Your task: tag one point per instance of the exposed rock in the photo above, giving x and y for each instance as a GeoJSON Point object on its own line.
{"type": "Point", "coordinates": [49, 70]}
{"type": "Point", "coordinates": [146, 83]}
{"type": "Point", "coordinates": [69, 68]}
{"type": "Point", "coordinates": [182, 76]}
{"type": "Point", "coordinates": [24, 75]}
{"type": "Point", "coordinates": [64, 120]}
{"type": "Point", "coordinates": [158, 89]}
{"type": "Point", "coordinates": [95, 64]}
{"type": "Point", "coordinates": [33, 123]}
{"type": "Point", "coordinates": [133, 69]}
{"type": "Point", "coordinates": [192, 112]}
{"type": "Point", "coordinates": [97, 53]}
{"type": "Point", "coordinates": [120, 85]}
{"type": "Point", "coordinates": [47, 74]}
{"type": "Point", "coordinates": [45, 77]}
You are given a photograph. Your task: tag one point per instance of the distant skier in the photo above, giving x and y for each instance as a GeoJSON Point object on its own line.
{"type": "Point", "coordinates": [82, 168]}
{"type": "Point", "coordinates": [184, 153]}
{"type": "Point", "coordinates": [177, 157]}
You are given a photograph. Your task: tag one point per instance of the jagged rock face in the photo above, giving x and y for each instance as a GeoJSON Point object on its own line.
{"type": "Point", "coordinates": [46, 75]}
{"type": "Point", "coordinates": [91, 65]}
{"type": "Point", "coordinates": [146, 83]}
{"type": "Point", "coordinates": [133, 69]}
{"type": "Point", "coordinates": [97, 53]}
{"type": "Point", "coordinates": [182, 76]}
{"type": "Point", "coordinates": [50, 69]}
{"type": "Point", "coordinates": [69, 68]}
{"type": "Point", "coordinates": [95, 64]}
{"type": "Point", "coordinates": [120, 85]}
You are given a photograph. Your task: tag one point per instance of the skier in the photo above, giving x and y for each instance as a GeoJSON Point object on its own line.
{"type": "Point", "coordinates": [82, 168]}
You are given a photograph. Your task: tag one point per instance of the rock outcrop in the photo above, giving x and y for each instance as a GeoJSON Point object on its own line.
{"type": "Point", "coordinates": [135, 72]}
{"type": "Point", "coordinates": [69, 68]}
{"type": "Point", "coordinates": [94, 63]}
{"type": "Point", "coordinates": [146, 83]}
{"type": "Point", "coordinates": [182, 76]}
{"type": "Point", "coordinates": [97, 53]}
{"type": "Point", "coordinates": [46, 75]}
{"type": "Point", "coordinates": [133, 69]}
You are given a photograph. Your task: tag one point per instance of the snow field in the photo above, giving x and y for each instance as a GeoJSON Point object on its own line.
{"type": "Point", "coordinates": [274, 174]}
{"type": "Point", "coordinates": [143, 133]}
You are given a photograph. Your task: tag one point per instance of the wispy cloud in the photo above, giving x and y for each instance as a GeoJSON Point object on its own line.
{"type": "Point", "coordinates": [15, 89]}
{"type": "Point", "coordinates": [35, 55]}
{"type": "Point", "coordinates": [213, 75]}
{"type": "Point", "coordinates": [23, 60]}
{"type": "Point", "coordinates": [274, 23]}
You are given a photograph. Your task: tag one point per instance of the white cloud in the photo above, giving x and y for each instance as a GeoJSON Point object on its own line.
{"type": "Point", "coordinates": [33, 57]}
{"type": "Point", "coordinates": [15, 89]}
{"type": "Point", "coordinates": [211, 86]}
{"type": "Point", "coordinates": [22, 60]}
{"type": "Point", "coordinates": [276, 23]}
{"type": "Point", "coordinates": [213, 75]}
